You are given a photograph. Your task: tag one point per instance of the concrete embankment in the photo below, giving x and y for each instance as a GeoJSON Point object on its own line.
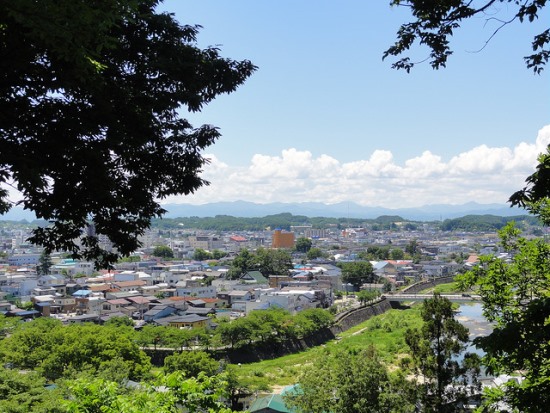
{"type": "Point", "coordinates": [355, 316]}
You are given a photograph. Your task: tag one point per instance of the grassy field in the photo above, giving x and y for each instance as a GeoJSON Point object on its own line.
{"type": "Point", "coordinates": [385, 332]}
{"type": "Point", "coordinates": [449, 288]}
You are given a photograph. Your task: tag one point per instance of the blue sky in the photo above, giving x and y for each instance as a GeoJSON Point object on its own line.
{"type": "Point", "coordinates": [324, 105]}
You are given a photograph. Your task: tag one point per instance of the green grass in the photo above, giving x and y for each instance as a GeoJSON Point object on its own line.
{"type": "Point", "coordinates": [452, 288]}
{"type": "Point", "coordinates": [448, 288]}
{"type": "Point", "coordinates": [385, 332]}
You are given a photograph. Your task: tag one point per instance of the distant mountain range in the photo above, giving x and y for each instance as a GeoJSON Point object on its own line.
{"type": "Point", "coordinates": [340, 210]}
{"type": "Point", "coordinates": [315, 209]}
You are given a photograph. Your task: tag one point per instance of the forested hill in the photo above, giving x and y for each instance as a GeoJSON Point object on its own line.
{"type": "Point", "coordinates": [284, 221]}
{"type": "Point", "coordinates": [385, 222]}
{"type": "Point", "coordinates": [486, 222]}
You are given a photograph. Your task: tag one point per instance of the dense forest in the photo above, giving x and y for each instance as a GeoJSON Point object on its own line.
{"type": "Point", "coordinates": [283, 221]}
{"type": "Point", "coordinates": [468, 223]}
{"type": "Point", "coordinates": [487, 222]}
{"type": "Point", "coordinates": [386, 222]}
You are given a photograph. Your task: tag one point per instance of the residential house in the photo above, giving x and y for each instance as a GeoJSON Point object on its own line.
{"type": "Point", "coordinates": [127, 286]}
{"type": "Point", "coordinates": [240, 295]}
{"type": "Point", "coordinates": [174, 276]}
{"type": "Point", "coordinates": [291, 300]}
{"type": "Point", "coordinates": [19, 260]}
{"type": "Point", "coordinates": [206, 302]}
{"type": "Point", "coordinates": [18, 285]}
{"type": "Point", "coordinates": [94, 305]}
{"type": "Point", "coordinates": [85, 268]}
{"type": "Point", "coordinates": [51, 280]}
{"type": "Point", "coordinates": [236, 243]}
{"type": "Point", "coordinates": [125, 276]}
{"type": "Point", "coordinates": [195, 288]}
{"type": "Point", "coordinates": [5, 307]}
{"type": "Point", "coordinates": [278, 281]}
{"type": "Point", "coordinates": [115, 305]}
{"type": "Point", "coordinates": [84, 318]}
{"type": "Point", "coordinates": [155, 289]}
{"type": "Point", "coordinates": [254, 277]}
{"type": "Point", "coordinates": [23, 314]}
{"type": "Point", "coordinates": [202, 311]}
{"type": "Point", "coordinates": [141, 303]}
{"type": "Point", "coordinates": [179, 303]}
{"type": "Point", "coordinates": [185, 321]}
{"type": "Point", "coordinates": [51, 304]}
{"type": "Point", "coordinates": [224, 285]}
{"type": "Point", "coordinates": [384, 268]}
{"type": "Point", "coordinates": [99, 288]}
{"type": "Point", "coordinates": [81, 300]}
{"type": "Point", "coordinates": [157, 312]}
{"type": "Point", "coordinates": [435, 269]}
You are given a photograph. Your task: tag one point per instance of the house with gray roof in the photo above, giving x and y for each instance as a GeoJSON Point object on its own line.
{"type": "Point", "coordinates": [158, 311]}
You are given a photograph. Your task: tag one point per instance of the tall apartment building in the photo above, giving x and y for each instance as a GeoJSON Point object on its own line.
{"type": "Point", "coordinates": [282, 239]}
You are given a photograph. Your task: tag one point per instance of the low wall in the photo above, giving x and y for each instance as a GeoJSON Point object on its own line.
{"type": "Point", "coordinates": [356, 316]}
{"type": "Point", "coordinates": [263, 351]}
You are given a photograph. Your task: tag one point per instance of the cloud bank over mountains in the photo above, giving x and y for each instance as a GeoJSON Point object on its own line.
{"type": "Point", "coordinates": [483, 174]}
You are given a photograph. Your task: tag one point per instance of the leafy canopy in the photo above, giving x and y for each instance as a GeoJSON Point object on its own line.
{"type": "Point", "coordinates": [434, 22]}
{"type": "Point", "coordinates": [163, 251]}
{"type": "Point", "coordinates": [358, 273]}
{"type": "Point", "coordinates": [515, 298]}
{"type": "Point", "coordinates": [91, 130]}
{"type": "Point", "coordinates": [193, 395]}
{"type": "Point", "coordinates": [535, 196]}
{"type": "Point", "coordinates": [344, 382]}
{"type": "Point", "coordinates": [435, 349]}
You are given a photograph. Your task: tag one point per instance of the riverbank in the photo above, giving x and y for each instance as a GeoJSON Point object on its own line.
{"type": "Point", "coordinates": [384, 331]}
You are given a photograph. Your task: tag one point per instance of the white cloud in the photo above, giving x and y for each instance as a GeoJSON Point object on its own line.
{"type": "Point", "coordinates": [483, 174]}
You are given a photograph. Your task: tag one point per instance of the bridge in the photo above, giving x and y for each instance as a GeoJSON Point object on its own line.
{"type": "Point", "coordinates": [456, 298]}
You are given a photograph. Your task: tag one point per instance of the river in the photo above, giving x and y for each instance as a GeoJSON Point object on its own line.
{"type": "Point", "coordinates": [470, 315]}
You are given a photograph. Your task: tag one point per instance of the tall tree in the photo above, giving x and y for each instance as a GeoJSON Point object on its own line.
{"type": "Point", "coordinates": [191, 363]}
{"type": "Point", "coordinates": [236, 332]}
{"type": "Point", "coordinates": [44, 263]}
{"type": "Point", "coordinates": [314, 253]}
{"type": "Point", "coordinates": [58, 351]}
{"type": "Point", "coordinates": [273, 261]}
{"type": "Point", "coordinates": [24, 392]}
{"type": "Point", "coordinates": [397, 254]}
{"type": "Point", "coordinates": [446, 382]}
{"type": "Point", "coordinates": [358, 273]}
{"type": "Point", "coordinates": [412, 247]}
{"type": "Point", "coordinates": [436, 21]}
{"type": "Point", "coordinates": [515, 299]}
{"type": "Point", "coordinates": [201, 254]}
{"type": "Point", "coordinates": [243, 262]}
{"type": "Point", "coordinates": [349, 383]}
{"type": "Point", "coordinates": [303, 244]}
{"type": "Point", "coordinates": [535, 196]}
{"type": "Point", "coordinates": [91, 131]}
{"type": "Point", "coordinates": [193, 395]}
{"type": "Point", "coordinates": [163, 251]}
